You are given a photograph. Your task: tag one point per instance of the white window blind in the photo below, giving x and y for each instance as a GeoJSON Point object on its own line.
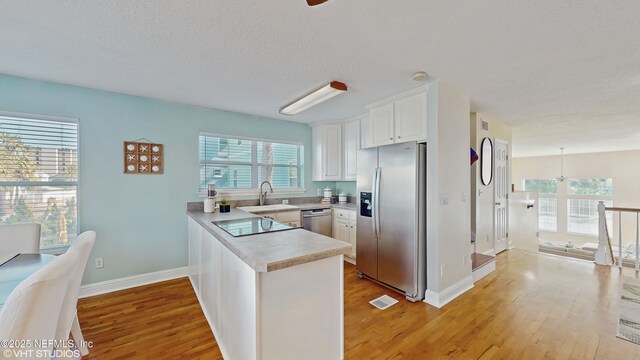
{"type": "Point", "coordinates": [242, 163]}
{"type": "Point", "coordinates": [39, 176]}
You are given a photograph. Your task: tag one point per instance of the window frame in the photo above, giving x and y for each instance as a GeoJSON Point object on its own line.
{"type": "Point", "coordinates": [56, 249]}
{"type": "Point", "coordinates": [254, 167]}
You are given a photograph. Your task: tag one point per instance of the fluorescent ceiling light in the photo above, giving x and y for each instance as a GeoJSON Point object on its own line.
{"type": "Point", "coordinates": [324, 93]}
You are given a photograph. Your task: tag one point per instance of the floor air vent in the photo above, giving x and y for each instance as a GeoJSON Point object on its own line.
{"type": "Point", "coordinates": [383, 302]}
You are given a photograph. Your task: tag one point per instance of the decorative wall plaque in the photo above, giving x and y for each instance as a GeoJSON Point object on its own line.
{"type": "Point", "coordinates": [143, 158]}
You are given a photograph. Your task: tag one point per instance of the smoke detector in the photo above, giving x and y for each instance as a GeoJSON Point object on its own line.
{"type": "Point", "coordinates": [420, 76]}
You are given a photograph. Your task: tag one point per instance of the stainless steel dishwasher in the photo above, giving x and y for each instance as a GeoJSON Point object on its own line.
{"type": "Point", "coordinates": [317, 221]}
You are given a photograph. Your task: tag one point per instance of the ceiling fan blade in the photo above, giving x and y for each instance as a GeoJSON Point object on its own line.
{"type": "Point", "coordinates": [315, 2]}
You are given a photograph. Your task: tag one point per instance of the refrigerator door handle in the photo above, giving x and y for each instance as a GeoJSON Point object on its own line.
{"type": "Point", "coordinates": [377, 202]}
{"type": "Point", "coordinates": [374, 201]}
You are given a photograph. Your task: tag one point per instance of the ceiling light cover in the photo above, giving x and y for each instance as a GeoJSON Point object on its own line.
{"type": "Point", "coordinates": [324, 93]}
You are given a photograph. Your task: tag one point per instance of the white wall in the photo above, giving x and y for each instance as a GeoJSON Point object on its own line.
{"type": "Point", "coordinates": [448, 173]}
{"type": "Point", "coordinates": [622, 166]}
{"type": "Point", "coordinates": [482, 199]}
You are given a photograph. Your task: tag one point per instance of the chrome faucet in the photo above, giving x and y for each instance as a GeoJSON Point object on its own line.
{"type": "Point", "coordinates": [263, 195]}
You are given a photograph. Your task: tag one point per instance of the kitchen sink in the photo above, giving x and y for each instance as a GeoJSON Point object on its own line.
{"type": "Point", "coordinates": [268, 208]}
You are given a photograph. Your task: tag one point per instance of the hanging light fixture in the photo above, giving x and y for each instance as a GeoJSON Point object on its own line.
{"type": "Point", "coordinates": [561, 178]}
{"type": "Point", "coordinates": [316, 97]}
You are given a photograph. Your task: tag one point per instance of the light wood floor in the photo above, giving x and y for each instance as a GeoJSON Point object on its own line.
{"type": "Point", "coordinates": [534, 306]}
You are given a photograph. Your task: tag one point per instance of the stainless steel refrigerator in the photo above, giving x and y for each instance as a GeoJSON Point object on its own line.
{"type": "Point", "coordinates": [391, 231]}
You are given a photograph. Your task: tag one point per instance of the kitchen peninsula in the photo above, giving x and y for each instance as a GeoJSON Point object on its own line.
{"type": "Point", "coordinates": [270, 295]}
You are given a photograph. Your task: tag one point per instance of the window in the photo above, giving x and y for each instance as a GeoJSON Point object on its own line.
{"type": "Point", "coordinates": [242, 163]}
{"type": "Point", "coordinates": [39, 176]}
{"type": "Point", "coordinates": [547, 204]}
{"type": "Point", "coordinates": [591, 187]}
{"type": "Point", "coordinates": [548, 214]}
{"type": "Point", "coordinates": [582, 203]}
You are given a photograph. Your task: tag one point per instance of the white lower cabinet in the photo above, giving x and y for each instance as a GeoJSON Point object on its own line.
{"type": "Point", "coordinates": [344, 228]}
{"type": "Point", "coordinates": [267, 315]}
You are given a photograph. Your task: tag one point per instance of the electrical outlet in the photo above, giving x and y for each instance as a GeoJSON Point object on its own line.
{"type": "Point", "coordinates": [285, 202]}
{"type": "Point", "coordinates": [442, 270]}
{"type": "Point", "coordinates": [99, 263]}
{"type": "Point", "coordinates": [318, 192]}
{"type": "Point", "coordinates": [464, 197]}
{"type": "Point", "coordinates": [444, 199]}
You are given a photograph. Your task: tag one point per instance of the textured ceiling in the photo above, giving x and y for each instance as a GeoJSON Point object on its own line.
{"type": "Point", "coordinates": [563, 73]}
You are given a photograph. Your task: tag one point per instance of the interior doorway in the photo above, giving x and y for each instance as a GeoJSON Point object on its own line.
{"type": "Point", "coordinates": [501, 196]}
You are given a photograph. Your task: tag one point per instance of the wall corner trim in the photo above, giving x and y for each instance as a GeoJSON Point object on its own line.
{"type": "Point", "coordinates": [447, 295]}
{"type": "Point", "coordinates": [104, 287]}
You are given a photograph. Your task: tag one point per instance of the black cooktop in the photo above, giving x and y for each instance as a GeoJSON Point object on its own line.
{"type": "Point", "coordinates": [252, 226]}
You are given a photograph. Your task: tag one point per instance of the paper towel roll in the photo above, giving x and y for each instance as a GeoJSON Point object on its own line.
{"type": "Point", "coordinates": [209, 205]}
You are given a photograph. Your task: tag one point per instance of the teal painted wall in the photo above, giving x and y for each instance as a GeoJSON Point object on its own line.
{"type": "Point", "coordinates": [140, 219]}
{"type": "Point", "coordinates": [348, 187]}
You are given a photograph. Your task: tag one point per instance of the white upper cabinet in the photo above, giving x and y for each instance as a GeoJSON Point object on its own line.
{"type": "Point", "coordinates": [381, 120]}
{"type": "Point", "coordinates": [411, 118]}
{"type": "Point", "coordinates": [351, 134]}
{"type": "Point", "coordinates": [396, 120]}
{"type": "Point", "coordinates": [327, 152]}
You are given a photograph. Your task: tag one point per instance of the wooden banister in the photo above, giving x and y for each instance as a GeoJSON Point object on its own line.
{"type": "Point", "coordinates": [606, 228]}
{"type": "Point", "coordinates": [622, 209]}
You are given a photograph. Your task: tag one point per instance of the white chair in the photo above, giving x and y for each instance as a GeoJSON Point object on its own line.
{"type": "Point", "coordinates": [68, 322]}
{"type": "Point", "coordinates": [20, 238]}
{"type": "Point", "coordinates": [33, 308]}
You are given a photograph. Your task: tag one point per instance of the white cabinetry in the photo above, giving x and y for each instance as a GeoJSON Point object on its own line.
{"type": "Point", "coordinates": [351, 132]}
{"type": "Point", "coordinates": [344, 228]}
{"type": "Point", "coordinates": [335, 148]}
{"type": "Point", "coordinates": [255, 315]}
{"type": "Point", "coordinates": [396, 120]}
{"type": "Point", "coordinates": [381, 119]}
{"type": "Point", "coordinates": [327, 152]}
{"type": "Point", "coordinates": [411, 118]}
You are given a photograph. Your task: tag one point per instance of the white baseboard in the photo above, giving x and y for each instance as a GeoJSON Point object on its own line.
{"type": "Point", "coordinates": [350, 260]}
{"type": "Point", "coordinates": [484, 270]}
{"type": "Point", "coordinates": [490, 252]}
{"type": "Point", "coordinates": [447, 295]}
{"type": "Point", "coordinates": [128, 282]}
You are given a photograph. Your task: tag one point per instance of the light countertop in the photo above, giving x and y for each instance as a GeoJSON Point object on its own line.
{"type": "Point", "coordinates": [307, 206]}
{"type": "Point", "coordinates": [271, 251]}
{"type": "Point", "coordinates": [346, 206]}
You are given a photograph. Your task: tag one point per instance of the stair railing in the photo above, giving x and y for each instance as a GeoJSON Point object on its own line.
{"type": "Point", "coordinates": [604, 255]}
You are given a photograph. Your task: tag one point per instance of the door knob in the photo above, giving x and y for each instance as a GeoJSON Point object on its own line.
{"type": "Point", "coordinates": [498, 204]}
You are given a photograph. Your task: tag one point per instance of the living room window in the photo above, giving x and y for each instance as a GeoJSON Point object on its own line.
{"type": "Point", "coordinates": [547, 204]}
{"type": "Point", "coordinates": [583, 196]}
{"type": "Point", "coordinates": [237, 164]}
{"type": "Point", "coordinates": [39, 175]}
